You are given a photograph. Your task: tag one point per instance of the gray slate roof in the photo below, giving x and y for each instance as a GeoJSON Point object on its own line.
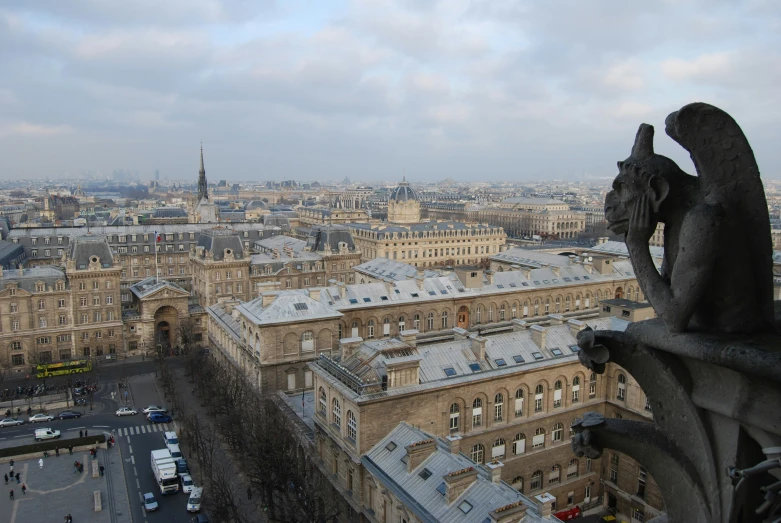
{"type": "Point", "coordinates": [291, 306]}
{"type": "Point", "coordinates": [151, 285]}
{"type": "Point", "coordinates": [27, 278]}
{"type": "Point", "coordinates": [327, 238]}
{"type": "Point", "coordinates": [392, 270]}
{"type": "Point", "coordinates": [403, 193]}
{"type": "Point", "coordinates": [217, 240]}
{"type": "Point", "coordinates": [84, 248]}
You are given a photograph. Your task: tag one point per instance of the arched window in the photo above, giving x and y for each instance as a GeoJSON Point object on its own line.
{"type": "Point", "coordinates": [536, 482]}
{"type": "Point", "coordinates": [323, 401]}
{"type": "Point", "coordinates": [497, 450]}
{"type": "Point", "coordinates": [518, 403]}
{"type": "Point", "coordinates": [370, 329]}
{"type": "Point", "coordinates": [340, 332]}
{"type": "Point", "coordinates": [490, 313]}
{"type": "Point", "coordinates": [479, 314]}
{"type": "Point", "coordinates": [592, 385]}
{"type": "Point", "coordinates": [536, 307]}
{"type": "Point", "coordinates": [499, 407]}
{"type": "Point", "coordinates": [431, 321]}
{"type": "Point", "coordinates": [558, 429]}
{"type": "Point", "coordinates": [477, 412]}
{"type": "Point", "coordinates": [576, 389]}
{"type": "Point", "coordinates": [402, 324]}
{"type": "Point", "coordinates": [478, 453]}
{"type": "Point", "coordinates": [539, 438]}
{"type": "Point", "coordinates": [308, 341]}
{"type": "Point", "coordinates": [352, 426]}
{"type": "Point", "coordinates": [519, 443]}
{"type": "Point", "coordinates": [547, 305]}
{"type": "Point", "coordinates": [502, 313]}
{"type": "Point", "coordinates": [518, 483]}
{"type": "Point", "coordinates": [515, 310]}
{"type": "Point", "coordinates": [454, 414]}
{"type": "Point", "coordinates": [355, 327]}
{"type": "Point", "coordinates": [557, 394]}
{"type": "Point", "coordinates": [555, 474]}
{"type": "Point", "coordinates": [621, 393]}
{"type": "Point", "coordinates": [567, 303]}
{"type": "Point", "coordinates": [444, 319]}
{"type": "Point", "coordinates": [416, 322]}
{"type": "Point", "coordinates": [572, 468]}
{"type": "Point", "coordinates": [386, 327]}
{"type": "Point", "coordinates": [337, 412]}
{"type": "Point", "coordinates": [558, 304]}
{"type": "Point", "coordinates": [538, 397]}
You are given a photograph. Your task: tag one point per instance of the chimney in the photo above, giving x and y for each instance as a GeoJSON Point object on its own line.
{"type": "Point", "coordinates": [410, 337]}
{"type": "Point", "coordinates": [575, 326]}
{"type": "Point", "coordinates": [420, 272]}
{"type": "Point", "coordinates": [555, 270]}
{"type": "Point", "coordinates": [478, 346]}
{"type": "Point", "coordinates": [421, 283]}
{"type": "Point", "coordinates": [403, 371]}
{"type": "Point", "coordinates": [460, 334]}
{"type": "Point", "coordinates": [342, 289]}
{"type": "Point", "coordinates": [546, 501]}
{"type": "Point", "coordinates": [21, 270]}
{"type": "Point", "coordinates": [496, 470]}
{"type": "Point", "coordinates": [1, 271]}
{"type": "Point", "coordinates": [268, 298]}
{"type": "Point", "coordinates": [589, 267]}
{"type": "Point", "coordinates": [314, 294]}
{"type": "Point", "coordinates": [556, 319]}
{"type": "Point", "coordinates": [604, 266]}
{"type": "Point", "coordinates": [418, 452]}
{"type": "Point", "coordinates": [455, 444]}
{"type": "Point", "coordinates": [538, 335]}
{"type": "Point", "coordinates": [527, 273]}
{"type": "Point", "coordinates": [348, 345]}
{"type": "Point", "coordinates": [489, 275]}
{"type": "Point", "coordinates": [510, 513]}
{"type": "Point", "coordinates": [458, 481]}
{"type": "Point", "coordinates": [519, 325]}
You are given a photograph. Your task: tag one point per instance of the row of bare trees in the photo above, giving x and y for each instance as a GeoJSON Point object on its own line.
{"type": "Point", "coordinates": [275, 460]}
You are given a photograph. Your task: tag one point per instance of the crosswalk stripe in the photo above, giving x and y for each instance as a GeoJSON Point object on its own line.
{"type": "Point", "coordinates": [135, 430]}
{"type": "Point", "coordinates": [124, 432]}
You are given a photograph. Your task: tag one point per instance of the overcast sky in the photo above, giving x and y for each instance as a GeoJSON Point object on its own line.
{"type": "Point", "coordinates": [374, 89]}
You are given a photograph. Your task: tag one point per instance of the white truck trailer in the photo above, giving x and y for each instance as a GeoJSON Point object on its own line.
{"type": "Point", "coordinates": [164, 469]}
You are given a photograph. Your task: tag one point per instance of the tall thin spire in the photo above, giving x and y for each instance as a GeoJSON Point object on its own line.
{"type": "Point", "coordinates": [203, 187]}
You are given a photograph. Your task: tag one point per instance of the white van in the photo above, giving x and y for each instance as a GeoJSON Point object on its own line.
{"type": "Point", "coordinates": [46, 434]}
{"type": "Point", "coordinates": [175, 452]}
{"type": "Point", "coordinates": [194, 501]}
{"type": "Point", "coordinates": [170, 438]}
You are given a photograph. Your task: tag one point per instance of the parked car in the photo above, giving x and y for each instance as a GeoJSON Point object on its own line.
{"type": "Point", "coordinates": [175, 451]}
{"type": "Point", "coordinates": [154, 408]}
{"type": "Point", "coordinates": [41, 434]}
{"type": "Point", "coordinates": [150, 503]}
{"type": "Point", "coordinates": [126, 411]}
{"type": "Point", "coordinates": [170, 438]}
{"type": "Point", "coordinates": [69, 414]}
{"type": "Point", "coordinates": [157, 417]}
{"type": "Point", "coordinates": [200, 518]}
{"type": "Point", "coordinates": [181, 467]}
{"type": "Point", "coordinates": [11, 422]}
{"type": "Point", "coordinates": [187, 483]}
{"type": "Point", "coordinates": [40, 417]}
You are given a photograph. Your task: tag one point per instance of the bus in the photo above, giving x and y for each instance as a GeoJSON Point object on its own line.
{"type": "Point", "coordinates": [59, 368]}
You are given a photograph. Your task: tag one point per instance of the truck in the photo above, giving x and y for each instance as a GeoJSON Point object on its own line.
{"type": "Point", "coordinates": [164, 469]}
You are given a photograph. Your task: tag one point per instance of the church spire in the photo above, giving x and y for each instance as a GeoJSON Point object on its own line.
{"type": "Point", "coordinates": [202, 185]}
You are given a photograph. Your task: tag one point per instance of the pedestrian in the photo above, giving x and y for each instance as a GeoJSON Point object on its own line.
{"type": "Point", "coordinates": [101, 469]}
{"type": "Point", "coordinates": [24, 488]}
{"type": "Point", "coordinates": [40, 463]}
{"type": "Point", "coordinates": [249, 493]}
{"type": "Point", "coordinates": [12, 494]}
{"type": "Point", "coordinates": [70, 449]}
{"type": "Point", "coordinates": [85, 433]}
{"type": "Point", "coordinates": [57, 451]}
{"type": "Point", "coordinates": [6, 479]}
{"type": "Point", "coordinates": [81, 467]}
{"type": "Point", "coordinates": [17, 478]}
{"type": "Point", "coordinates": [81, 433]}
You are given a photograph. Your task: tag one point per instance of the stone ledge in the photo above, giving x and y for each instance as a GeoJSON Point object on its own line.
{"type": "Point", "coordinates": [98, 503]}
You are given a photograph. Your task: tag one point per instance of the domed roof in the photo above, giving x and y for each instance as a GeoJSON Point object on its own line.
{"type": "Point", "coordinates": [403, 192]}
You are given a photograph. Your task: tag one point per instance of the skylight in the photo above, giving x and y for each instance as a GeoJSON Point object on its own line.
{"type": "Point", "coordinates": [567, 279]}
{"type": "Point", "coordinates": [384, 298]}
{"type": "Point", "coordinates": [556, 352]}
{"type": "Point", "coordinates": [500, 286]}
{"type": "Point", "coordinates": [441, 488]}
{"type": "Point", "coordinates": [513, 285]}
{"type": "Point", "coordinates": [537, 355]}
{"type": "Point", "coordinates": [465, 506]}
{"type": "Point", "coordinates": [500, 362]}
{"type": "Point", "coordinates": [449, 371]}
{"type": "Point", "coordinates": [353, 300]}
{"type": "Point", "coordinates": [367, 300]}
{"type": "Point", "coordinates": [432, 293]}
{"type": "Point", "coordinates": [415, 295]}
{"type": "Point", "coordinates": [425, 474]}
{"type": "Point", "coordinates": [443, 291]}
{"type": "Point", "coordinates": [555, 280]}
{"type": "Point", "coordinates": [536, 283]}
{"type": "Point", "coordinates": [574, 348]}
{"type": "Point", "coordinates": [586, 278]}
{"type": "Point", "coordinates": [524, 284]}
{"type": "Point", "coordinates": [518, 358]}
{"type": "Point", "coordinates": [301, 306]}
{"type": "Point", "coordinates": [545, 281]}
{"type": "Point", "coordinates": [391, 446]}
{"type": "Point", "coordinates": [475, 367]}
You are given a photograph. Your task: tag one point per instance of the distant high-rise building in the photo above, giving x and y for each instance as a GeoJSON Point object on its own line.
{"type": "Point", "coordinates": [157, 175]}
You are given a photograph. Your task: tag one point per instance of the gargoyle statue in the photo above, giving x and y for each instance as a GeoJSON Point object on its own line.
{"type": "Point", "coordinates": [717, 271]}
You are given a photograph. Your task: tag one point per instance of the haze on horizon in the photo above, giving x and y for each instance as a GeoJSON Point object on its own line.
{"type": "Point", "coordinates": [374, 89]}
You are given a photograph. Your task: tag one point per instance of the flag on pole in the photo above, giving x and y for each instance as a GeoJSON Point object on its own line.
{"type": "Point", "coordinates": [158, 237]}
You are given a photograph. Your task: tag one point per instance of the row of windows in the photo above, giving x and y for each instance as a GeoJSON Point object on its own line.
{"type": "Point", "coordinates": [554, 476]}
{"type": "Point", "coordinates": [47, 356]}
{"type": "Point", "coordinates": [336, 415]}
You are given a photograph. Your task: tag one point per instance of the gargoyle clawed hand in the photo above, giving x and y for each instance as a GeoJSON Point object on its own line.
{"type": "Point", "coordinates": [592, 356]}
{"type": "Point", "coordinates": [585, 442]}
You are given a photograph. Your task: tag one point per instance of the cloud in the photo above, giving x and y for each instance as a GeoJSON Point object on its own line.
{"type": "Point", "coordinates": [33, 129]}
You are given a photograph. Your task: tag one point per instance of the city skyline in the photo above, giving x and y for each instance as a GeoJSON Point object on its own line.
{"type": "Point", "coordinates": [373, 90]}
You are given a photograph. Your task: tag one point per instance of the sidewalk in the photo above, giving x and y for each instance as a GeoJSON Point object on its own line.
{"type": "Point", "coordinates": [118, 497]}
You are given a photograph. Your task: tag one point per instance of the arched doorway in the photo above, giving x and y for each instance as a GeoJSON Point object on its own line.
{"type": "Point", "coordinates": [166, 325]}
{"type": "Point", "coordinates": [463, 317]}
{"type": "Point", "coordinates": [619, 293]}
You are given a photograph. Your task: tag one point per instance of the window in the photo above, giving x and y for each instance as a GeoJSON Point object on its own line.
{"type": "Point", "coordinates": [621, 392]}
{"type": "Point", "coordinates": [642, 476]}
{"type": "Point", "coordinates": [647, 404]}
{"type": "Point", "coordinates": [15, 345]}
{"type": "Point", "coordinates": [83, 301]}
{"type": "Point", "coordinates": [572, 468]}
{"type": "Point", "coordinates": [477, 412]}
{"type": "Point", "coordinates": [425, 474]}
{"type": "Point", "coordinates": [558, 428]}
{"type": "Point", "coordinates": [352, 426]}
{"type": "Point", "coordinates": [63, 320]}
{"type": "Point", "coordinates": [454, 414]}
{"type": "Point", "coordinates": [575, 389]}
{"type": "Point", "coordinates": [370, 329]}
{"type": "Point", "coordinates": [478, 453]}
{"type": "Point", "coordinates": [555, 474]}
{"type": "Point", "coordinates": [17, 359]}
{"type": "Point", "coordinates": [519, 443]}
{"type": "Point", "coordinates": [557, 394]}
{"type": "Point", "coordinates": [517, 483]}
{"type": "Point", "coordinates": [43, 340]}
{"type": "Point", "coordinates": [465, 506]}
{"type": "Point", "coordinates": [96, 300]}
{"type": "Point", "coordinates": [444, 320]}
{"type": "Point", "coordinates": [109, 300]}
{"type": "Point", "coordinates": [13, 307]}
{"type": "Point", "coordinates": [519, 403]}
{"type": "Point", "coordinates": [638, 515]}
{"type": "Point", "coordinates": [502, 313]}
{"type": "Point", "coordinates": [416, 322]}
{"type": "Point", "coordinates": [498, 407]}
{"type": "Point", "coordinates": [539, 438]}
{"type": "Point", "coordinates": [95, 285]}
{"type": "Point", "coordinates": [61, 304]}
{"type": "Point", "coordinates": [15, 325]}
{"type": "Point", "coordinates": [614, 468]}
{"type": "Point", "coordinates": [536, 482]}
{"type": "Point", "coordinates": [41, 305]}
{"type": "Point", "coordinates": [42, 322]}
{"type": "Point", "coordinates": [337, 413]}
{"type": "Point", "coordinates": [538, 396]}
{"type": "Point", "coordinates": [98, 316]}
{"type": "Point", "coordinates": [592, 385]}
{"type": "Point", "coordinates": [498, 449]}
{"type": "Point", "coordinates": [323, 401]}
{"type": "Point", "coordinates": [500, 362]}
{"type": "Point", "coordinates": [307, 340]}
{"type": "Point", "coordinates": [82, 286]}
{"type": "Point", "coordinates": [430, 321]}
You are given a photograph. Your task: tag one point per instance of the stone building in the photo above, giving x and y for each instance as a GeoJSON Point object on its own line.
{"type": "Point", "coordinates": [220, 267]}
{"type": "Point", "coordinates": [335, 214]}
{"type": "Point", "coordinates": [628, 310]}
{"type": "Point", "coordinates": [505, 400]}
{"type": "Point", "coordinates": [403, 204]}
{"type": "Point", "coordinates": [429, 244]}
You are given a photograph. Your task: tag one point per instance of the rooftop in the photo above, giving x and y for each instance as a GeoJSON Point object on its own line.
{"type": "Point", "coordinates": [627, 304]}
{"type": "Point", "coordinates": [392, 270]}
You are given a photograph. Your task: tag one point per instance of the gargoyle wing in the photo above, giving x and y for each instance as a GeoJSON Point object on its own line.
{"type": "Point", "coordinates": [730, 176]}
